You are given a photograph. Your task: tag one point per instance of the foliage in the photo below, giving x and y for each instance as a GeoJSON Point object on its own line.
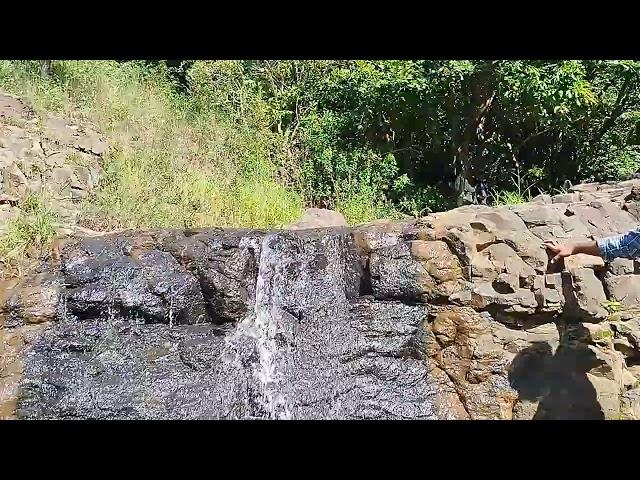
{"type": "Point", "coordinates": [31, 232]}
{"type": "Point", "coordinates": [171, 161]}
{"type": "Point", "coordinates": [613, 306]}
{"type": "Point", "coordinates": [506, 197]}
{"type": "Point", "coordinates": [541, 122]}
{"type": "Point", "coordinates": [370, 138]}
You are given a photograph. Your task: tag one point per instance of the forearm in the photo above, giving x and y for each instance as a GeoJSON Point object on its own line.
{"type": "Point", "coordinates": [589, 248]}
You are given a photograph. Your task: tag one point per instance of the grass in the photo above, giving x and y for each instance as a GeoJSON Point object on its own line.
{"type": "Point", "coordinates": [30, 233]}
{"type": "Point", "coordinates": [613, 306]}
{"type": "Point", "coordinates": [169, 164]}
{"type": "Point", "coordinates": [602, 335]}
{"type": "Point", "coordinates": [506, 197]}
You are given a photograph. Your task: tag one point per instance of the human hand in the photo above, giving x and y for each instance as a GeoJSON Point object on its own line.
{"type": "Point", "coordinates": [558, 249]}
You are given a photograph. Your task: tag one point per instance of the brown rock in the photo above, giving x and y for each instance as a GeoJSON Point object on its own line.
{"type": "Point", "coordinates": [62, 175]}
{"type": "Point", "coordinates": [565, 198]}
{"type": "Point", "coordinates": [630, 329]}
{"type": "Point", "coordinates": [11, 107]}
{"type": "Point", "coordinates": [537, 215]}
{"type": "Point", "coordinates": [377, 235]}
{"type": "Point", "coordinates": [623, 346]}
{"type": "Point", "coordinates": [624, 288]}
{"type": "Point", "coordinates": [582, 260]}
{"type": "Point", "coordinates": [506, 283]}
{"type": "Point", "coordinates": [437, 260]}
{"type": "Point", "coordinates": [585, 187]}
{"type": "Point", "coordinates": [15, 181]}
{"type": "Point", "coordinates": [83, 138]}
{"type": "Point", "coordinates": [622, 266]}
{"type": "Point", "coordinates": [12, 344]}
{"type": "Point", "coordinates": [633, 208]}
{"type": "Point", "coordinates": [542, 198]}
{"type": "Point", "coordinates": [33, 300]}
{"type": "Point", "coordinates": [548, 232]}
{"type": "Point", "coordinates": [589, 294]}
{"type": "Point", "coordinates": [447, 403]}
{"type": "Point", "coordinates": [550, 300]}
{"type": "Point", "coordinates": [504, 259]}
{"type": "Point", "coordinates": [7, 199]}
{"type": "Point", "coordinates": [574, 228]}
{"type": "Point", "coordinates": [528, 247]}
{"type": "Point", "coordinates": [8, 213]}
{"type": "Point", "coordinates": [603, 218]}
{"type": "Point", "coordinates": [634, 194]}
{"type": "Point", "coordinates": [608, 396]}
{"type": "Point", "coordinates": [485, 296]}
{"type": "Point", "coordinates": [635, 371]}
{"type": "Point", "coordinates": [319, 218]}
{"type": "Point", "coordinates": [396, 275]}
{"type": "Point", "coordinates": [84, 178]}
{"type": "Point", "coordinates": [630, 407]}
{"type": "Point", "coordinates": [462, 346]}
{"type": "Point", "coordinates": [475, 352]}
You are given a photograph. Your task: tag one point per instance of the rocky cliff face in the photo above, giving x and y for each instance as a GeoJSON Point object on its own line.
{"type": "Point", "coordinates": [453, 316]}
{"type": "Point", "coordinates": [53, 157]}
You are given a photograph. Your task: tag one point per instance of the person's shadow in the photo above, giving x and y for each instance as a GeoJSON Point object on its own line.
{"type": "Point", "coordinates": [558, 381]}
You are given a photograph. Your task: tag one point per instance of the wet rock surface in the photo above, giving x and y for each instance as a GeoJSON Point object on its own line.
{"type": "Point", "coordinates": [456, 315]}
{"type": "Point", "coordinates": [125, 369]}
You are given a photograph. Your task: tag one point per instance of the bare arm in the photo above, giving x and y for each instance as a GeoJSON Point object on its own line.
{"type": "Point", "coordinates": [589, 247]}
{"type": "Point", "coordinates": [625, 245]}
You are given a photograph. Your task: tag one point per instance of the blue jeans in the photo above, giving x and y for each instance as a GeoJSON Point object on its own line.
{"type": "Point", "coordinates": [626, 245]}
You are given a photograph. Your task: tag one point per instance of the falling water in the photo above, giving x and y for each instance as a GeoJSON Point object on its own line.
{"type": "Point", "coordinates": [265, 329]}
{"type": "Point", "coordinates": [261, 326]}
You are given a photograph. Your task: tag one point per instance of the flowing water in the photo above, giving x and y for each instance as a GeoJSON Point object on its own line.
{"type": "Point", "coordinates": [307, 347]}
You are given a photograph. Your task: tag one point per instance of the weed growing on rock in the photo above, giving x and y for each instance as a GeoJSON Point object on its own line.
{"type": "Point", "coordinates": [28, 235]}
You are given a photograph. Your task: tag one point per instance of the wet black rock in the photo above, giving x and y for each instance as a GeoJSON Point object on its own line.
{"type": "Point", "coordinates": [113, 276]}
{"type": "Point", "coordinates": [303, 344]}
{"type": "Point", "coordinates": [128, 370]}
{"type": "Point", "coordinates": [440, 317]}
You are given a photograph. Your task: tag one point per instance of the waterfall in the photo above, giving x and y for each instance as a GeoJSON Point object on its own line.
{"type": "Point", "coordinates": [265, 329]}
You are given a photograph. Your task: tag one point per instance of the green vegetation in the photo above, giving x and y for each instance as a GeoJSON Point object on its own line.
{"type": "Point", "coordinates": [250, 143]}
{"type": "Point", "coordinates": [172, 162]}
{"type": "Point", "coordinates": [33, 230]}
{"type": "Point", "coordinates": [603, 335]}
{"type": "Point", "coordinates": [506, 197]}
{"type": "Point", "coordinates": [613, 306]}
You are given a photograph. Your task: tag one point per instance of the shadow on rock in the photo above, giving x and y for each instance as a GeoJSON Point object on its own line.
{"type": "Point", "coordinates": [557, 382]}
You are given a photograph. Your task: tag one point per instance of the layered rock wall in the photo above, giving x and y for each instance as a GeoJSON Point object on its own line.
{"type": "Point", "coordinates": [455, 315]}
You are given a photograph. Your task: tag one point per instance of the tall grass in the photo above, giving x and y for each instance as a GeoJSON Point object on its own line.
{"type": "Point", "coordinates": [171, 163]}
{"type": "Point", "coordinates": [506, 197]}
{"type": "Point", "coordinates": [31, 232]}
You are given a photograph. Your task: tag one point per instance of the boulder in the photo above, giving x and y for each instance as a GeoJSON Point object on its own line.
{"type": "Point", "coordinates": [32, 300]}
{"type": "Point", "coordinates": [14, 181]}
{"type": "Point", "coordinates": [319, 218]}
{"type": "Point", "coordinates": [421, 271]}
{"type": "Point", "coordinates": [588, 295]}
{"type": "Point", "coordinates": [624, 288]}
